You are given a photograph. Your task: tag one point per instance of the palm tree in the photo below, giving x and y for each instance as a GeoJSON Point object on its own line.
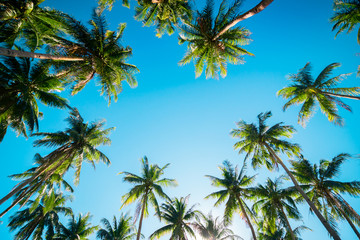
{"type": "Point", "coordinates": [276, 203]}
{"type": "Point", "coordinates": [32, 221]}
{"type": "Point", "coordinates": [214, 229]}
{"type": "Point", "coordinates": [264, 143]}
{"type": "Point", "coordinates": [324, 191]}
{"type": "Point", "coordinates": [22, 84]}
{"type": "Point", "coordinates": [268, 232]}
{"type": "Point", "coordinates": [145, 189]}
{"type": "Point", "coordinates": [177, 216]}
{"type": "Point", "coordinates": [78, 229]}
{"type": "Point", "coordinates": [54, 183]}
{"type": "Point", "coordinates": [77, 143]}
{"type": "Point", "coordinates": [346, 16]}
{"type": "Point", "coordinates": [234, 190]}
{"type": "Point", "coordinates": [102, 55]}
{"type": "Point", "coordinates": [304, 89]}
{"type": "Point", "coordinates": [203, 48]}
{"type": "Point", "coordinates": [27, 20]}
{"type": "Point", "coordinates": [109, 4]}
{"type": "Point", "coordinates": [165, 14]}
{"type": "Point", "coordinates": [121, 230]}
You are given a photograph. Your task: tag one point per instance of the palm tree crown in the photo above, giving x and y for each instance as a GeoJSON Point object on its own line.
{"type": "Point", "coordinates": [146, 187]}
{"type": "Point", "coordinates": [214, 229]}
{"type": "Point", "coordinates": [178, 216]}
{"type": "Point", "coordinates": [22, 84]}
{"type": "Point", "coordinates": [122, 229]}
{"type": "Point", "coordinates": [254, 140]}
{"type": "Point", "coordinates": [346, 16]}
{"type": "Point", "coordinates": [164, 14]}
{"type": "Point", "coordinates": [203, 48]}
{"type": "Point", "coordinates": [234, 191]}
{"type": "Point", "coordinates": [325, 192]}
{"type": "Point", "coordinates": [276, 204]}
{"type": "Point", "coordinates": [78, 229]}
{"type": "Point", "coordinates": [305, 90]}
{"type": "Point", "coordinates": [77, 143]}
{"type": "Point", "coordinates": [102, 55]}
{"type": "Point", "coordinates": [26, 19]}
{"type": "Point", "coordinates": [268, 232]}
{"type": "Point", "coordinates": [33, 220]}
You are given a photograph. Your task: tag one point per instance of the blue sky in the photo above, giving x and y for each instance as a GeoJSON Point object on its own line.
{"type": "Point", "coordinates": [173, 117]}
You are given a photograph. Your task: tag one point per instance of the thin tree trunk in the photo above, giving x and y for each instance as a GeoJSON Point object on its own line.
{"type": "Point", "coordinates": [247, 218]}
{"type": "Point", "coordinates": [33, 190]}
{"type": "Point", "coordinates": [141, 218]}
{"type": "Point", "coordinates": [331, 231]}
{"type": "Point", "coordinates": [17, 53]}
{"type": "Point", "coordinates": [356, 215]}
{"type": "Point", "coordinates": [258, 8]}
{"type": "Point", "coordinates": [339, 207]}
{"type": "Point", "coordinates": [341, 95]}
{"type": "Point", "coordinates": [287, 223]}
{"type": "Point", "coordinates": [42, 169]}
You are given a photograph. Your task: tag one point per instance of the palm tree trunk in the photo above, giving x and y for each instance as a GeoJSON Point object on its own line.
{"type": "Point", "coordinates": [341, 95]}
{"type": "Point", "coordinates": [42, 169]}
{"type": "Point", "coordinates": [339, 207]}
{"type": "Point", "coordinates": [141, 217]}
{"type": "Point", "coordinates": [17, 53]}
{"type": "Point", "coordinates": [287, 223]}
{"type": "Point", "coordinates": [356, 215]}
{"type": "Point", "coordinates": [32, 190]}
{"type": "Point", "coordinates": [331, 231]}
{"type": "Point", "coordinates": [247, 218]}
{"type": "Point", "coordinates": [258, 8]}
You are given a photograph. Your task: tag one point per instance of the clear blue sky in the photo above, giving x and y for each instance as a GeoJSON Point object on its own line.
{"type": "Point", "coordinates": [173, 117]}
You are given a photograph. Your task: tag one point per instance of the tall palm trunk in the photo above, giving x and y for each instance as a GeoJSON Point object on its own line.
{"type": "Point", "coordinates": [42, 170]}
{"type": "Point", "coordinates": [258, 8]}
{"type": "Point", "coordinates": [354, 213]}
{"type": "Point", "coordinates": [30, 191]}
{"type": "Point", "coordinates": [287, 223]}
{"type": "Point", "coordinates": [17, 53]}
{"type": "Point", "coordinates": [341, 95]}
{"type": "Point", "coordinates": [340, 208]}
{"type": "Point", "coordinates": [141, 217]}
{"type": "Point", "coordinates": [246, 217]}
{"type": "Point", "coordinates": [331, 231]}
